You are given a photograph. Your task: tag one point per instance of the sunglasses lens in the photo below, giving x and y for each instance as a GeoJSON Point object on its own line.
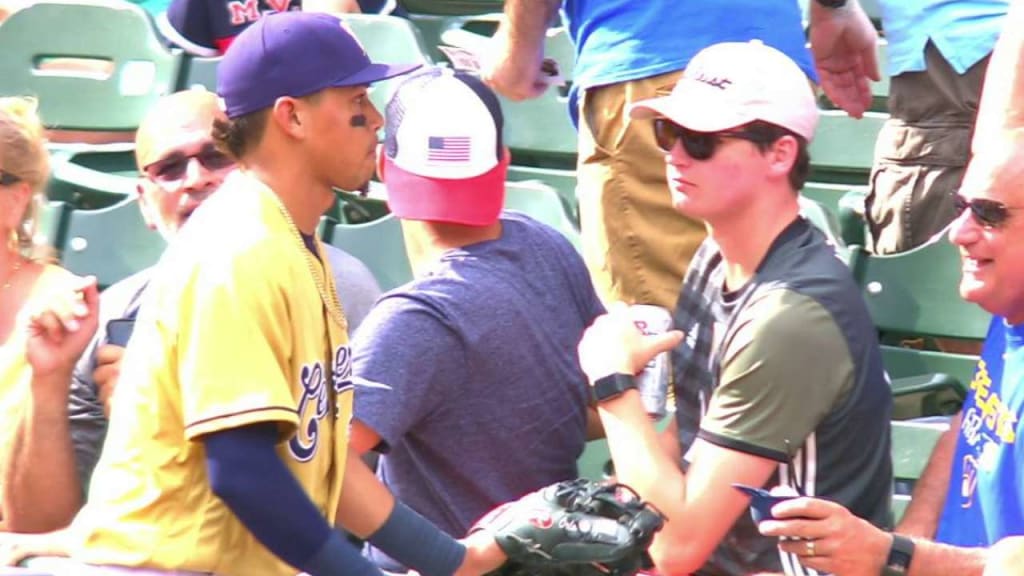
{"type": "Point", "coordinates": [171, 170]}
{"type": "Point", "coordinates": [987, 212]}
{"type": "Point", "coordinates": [665, 134]}
{"type": "Point", "coordinates": [213, 159]}
{"type": "Point", "coordinates": [699, 145]}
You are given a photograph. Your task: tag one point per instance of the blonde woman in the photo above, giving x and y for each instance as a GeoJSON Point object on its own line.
{"type": "Point", "coordinates": [47, 315]}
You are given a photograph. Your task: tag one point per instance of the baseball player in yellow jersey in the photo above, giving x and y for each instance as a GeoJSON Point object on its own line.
{"type": "Point", "coordinates": [227, 453]}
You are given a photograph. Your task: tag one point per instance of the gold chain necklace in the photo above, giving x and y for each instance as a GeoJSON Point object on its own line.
{"type": "Point", "coordinates": [329, 297]}
{"type": "Point", "coordinates": [14, 272]}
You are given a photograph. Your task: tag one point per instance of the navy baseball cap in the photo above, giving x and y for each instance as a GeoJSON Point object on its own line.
{"type": "Point", "coordinates": [294, 54]}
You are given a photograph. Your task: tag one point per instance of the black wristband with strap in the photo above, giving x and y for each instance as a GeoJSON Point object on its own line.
{"type": "Point", "coordinates": [900, 554]}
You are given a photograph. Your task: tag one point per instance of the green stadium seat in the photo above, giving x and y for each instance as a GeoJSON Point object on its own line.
{"type": "Point", "coordinates": [560, 180]}
{"type": "Point", "coordinates": [912, 445]}
{"type": "Point", "coordinates": [843, 148]}
{"type": "Point", "coordinates": [90, 187]}
{"type": "Point", "coordinates": [543, 204]}
{"type": "Point", "coordinates": [380, 245]}
{"type": "Point", "coordinates": [389, 40]}
{"type": "Point", "coordinates": [452, 7]}
{"type": "Point", "coordinates": [52, 222]}
{"type": "Point", "coordinates": [852, 223]}
{"type": "Point", "coordinates": [915, 294]}
{"type": "Point", "coordinates": [199, 72]}
{"type": "Point", "coordinates": [118, 34]}
{"type": "Point", "coordinates": [110, 243]}
{"type": "Point", "coordinates": [820, 216]}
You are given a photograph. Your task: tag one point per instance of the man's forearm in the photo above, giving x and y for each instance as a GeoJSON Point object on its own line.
{"type": "Point", "coordinates": [922, 516]}
{"type": "Point", "coordinates": [41, 490]}
{"type": "Point", "coordinates": [641, 463]}
{"type": "Point", "coordinates": [934, 559]}
{"type": "Point", "coordinates": [526, 22]}
{"type": "Point", "coordinates": [365, 503]}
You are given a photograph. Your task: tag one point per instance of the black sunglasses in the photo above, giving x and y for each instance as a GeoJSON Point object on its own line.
{"type": "Point", "coordinates": [987, 212]}
{"type": "Point", "coordinates": [8, 179]}
{"type": "Point", "coordinates": [698, 145]}
{"type": "Point", "coordinates": [172, 168]}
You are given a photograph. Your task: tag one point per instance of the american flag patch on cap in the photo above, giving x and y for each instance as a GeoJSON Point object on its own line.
{"type": "Point", "coordinates": [448, 149]}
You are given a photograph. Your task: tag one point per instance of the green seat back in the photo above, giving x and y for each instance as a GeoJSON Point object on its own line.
{"type": "Point", "coordinates": [822, 219]}
{"type": "Point", "coordinates": [199, 72]}
{"type": "Point", "coordinates": [110, 243]}
{"type": "Point", "coordinates": [116, 32]}
{"type": "Point", "coordinates": [380, 245]}
{"type": "Point", "coordinates": [52, 222]}
{"type": "Point", "coordinates": [539, 131]}
{"type": "Point", "coordinates": [912, 445]}
{"type": "Point", "coordinates": [927, 382]}
{"type": "Point", "coordinates": [388, 40]}
{"type": "Point", "coordinates": [562, 181]}
{"type": "Point", "coordinates": [543, 204]}
{"type": "Point", "coordinates": [916, 292]}
{"type": "Point", "coordinates": [452, 7]}
{"type": "Point", "coordinates": [843, 147]}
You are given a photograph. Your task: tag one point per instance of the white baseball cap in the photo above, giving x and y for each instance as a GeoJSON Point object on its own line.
{"type": "Point", "coordinates": [444, 157]}
{"type": "Point", "coordinates": [734, 83]}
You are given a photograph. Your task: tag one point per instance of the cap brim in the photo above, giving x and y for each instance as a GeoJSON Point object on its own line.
{"type": "Point", "coordinates": [693, 107]}
{"type": "Point", "coordinates": [474, 201]}
{"type": "Point", "coordinates": [375, 73]}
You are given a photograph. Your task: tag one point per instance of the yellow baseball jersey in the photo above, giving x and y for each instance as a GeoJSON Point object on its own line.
{"type": "Point", "coordinates": [239, 325]}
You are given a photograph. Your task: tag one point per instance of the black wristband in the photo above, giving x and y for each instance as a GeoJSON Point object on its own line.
{"type": "Point", "coordinates": [611, 386]}
{"type": "Point", "coordinates": [832, 3]}
{"type": "Point", "coordinates": [902, 551]}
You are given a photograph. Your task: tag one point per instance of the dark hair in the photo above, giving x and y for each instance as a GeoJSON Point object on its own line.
{"type": "Point", "coordinates": [239, 135]}
{"type": "Point", "coordinates": [765, 134]}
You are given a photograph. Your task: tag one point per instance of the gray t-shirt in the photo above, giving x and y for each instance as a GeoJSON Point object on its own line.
{"type": "Point", "coordinates": [470, 375]}
{"type": "Point", "coordinates": [788, 368]}
{"type": "Point", "coordinates": [357, 290]}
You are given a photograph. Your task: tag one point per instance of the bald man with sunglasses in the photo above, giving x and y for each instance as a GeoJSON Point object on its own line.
{"type": "Point", "coordinates": [778, 380]}
{"type": "Point", "coordinates": [179, 168]}
{"type": "Point", "coordinates": [967, 511]}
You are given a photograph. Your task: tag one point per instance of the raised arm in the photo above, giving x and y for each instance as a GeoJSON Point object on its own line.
{"type": "Point", "coordinates": [513, 66]}
{"type": "Point", "coordinates": [41, 490]}
{"type": "Point", "coordinates": [843, 42]}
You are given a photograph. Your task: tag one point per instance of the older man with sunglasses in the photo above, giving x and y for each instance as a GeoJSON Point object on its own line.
{"type": "Point", "coordinates": [969, 497]}
{"type": "Point", "coordinates": [778, 381]}
{"type": "Point", "coordinates": [180, 167]}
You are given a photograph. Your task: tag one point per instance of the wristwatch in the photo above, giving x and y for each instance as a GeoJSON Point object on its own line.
{"type": "Point", "coordinates": [898, 563]}
{"type": "Point", "coordinates": [832, 3]}
{"type": "Point", "coordinates": [611, 386]}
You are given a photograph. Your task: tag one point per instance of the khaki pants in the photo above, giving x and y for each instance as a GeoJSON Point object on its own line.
{"type": "Point", "coordinates": [921, 153]}
{"type": "Point", "coordinates": [636, 245]}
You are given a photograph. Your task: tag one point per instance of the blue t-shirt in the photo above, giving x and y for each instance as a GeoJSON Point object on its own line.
{"type": "Point", "coordinates": [964, 31]}
{"type": "Point", "coordinates": [985, 501]}
{"type": "Point", "coordinates": [470, 375]}
{"type": "Point", "coordinates": [619, 40]}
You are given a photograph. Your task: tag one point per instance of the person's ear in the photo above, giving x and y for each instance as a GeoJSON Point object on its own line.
{"type": "Point", "coordinates": [289, 115]}
{"type": "Point", "coordinates": [144, 206]}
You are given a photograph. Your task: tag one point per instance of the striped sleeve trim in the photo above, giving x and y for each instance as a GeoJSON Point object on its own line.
{"type": "Point", "coordinates": [740, 446]}
{"type": "Point", "coordinates": [280, 414]}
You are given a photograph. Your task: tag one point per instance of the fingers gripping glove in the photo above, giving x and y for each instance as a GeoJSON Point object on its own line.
{"type": "Point", "coordinates": [575, 528]}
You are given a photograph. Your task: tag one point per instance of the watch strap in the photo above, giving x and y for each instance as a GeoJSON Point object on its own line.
{"type": "Point", "coordinates": [611, 386]}
{"type": "Point", "coordinates": [900, 554]}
